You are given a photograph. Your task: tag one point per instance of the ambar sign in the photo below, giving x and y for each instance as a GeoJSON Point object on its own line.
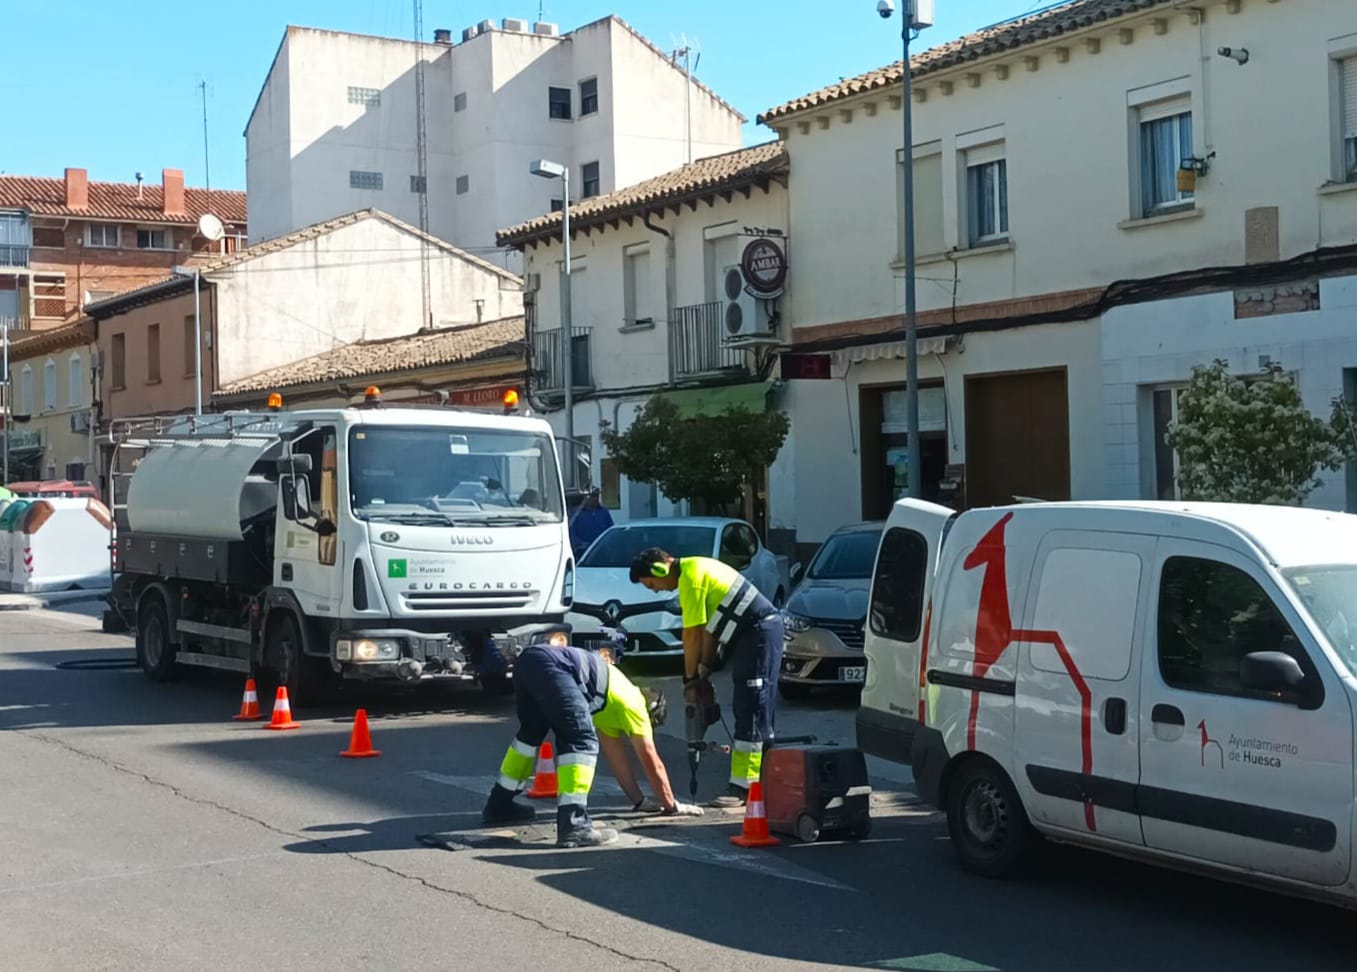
{"type": "Point", "coordinates": [765, 268]}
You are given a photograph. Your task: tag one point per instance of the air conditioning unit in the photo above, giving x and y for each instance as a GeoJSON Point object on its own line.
{"type": "Point", "coordinates": [485, 26]}
{"type": "Point", "coordinates": [469, 33]}
{"type": "Point", "coordinates": [532, 282]}
{"type": "Point", "coordinates": [514, 25]}
{"type": "Point", "coordinates": [80, 421]}
{"type": "Point", "coordinates": [743, 315]}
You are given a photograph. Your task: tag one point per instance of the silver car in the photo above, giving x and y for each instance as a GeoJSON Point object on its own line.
{"type": "Point", "coordinates": [605, 597]}
{"type": "Point", "coordinates": [827, 611]}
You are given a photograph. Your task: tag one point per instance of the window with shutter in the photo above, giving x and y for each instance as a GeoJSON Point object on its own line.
{"type": "Point", "coordinates": [1348, 90]}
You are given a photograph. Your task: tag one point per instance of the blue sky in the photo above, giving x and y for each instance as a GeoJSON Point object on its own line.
{"type": "Point", "coordinates": [123, 95]}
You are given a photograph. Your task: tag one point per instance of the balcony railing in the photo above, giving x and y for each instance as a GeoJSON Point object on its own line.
{"type": "Point", "coordinates": [696, 344]}
{"type": "Point", "coordinates": [14, 255]}
{"type": "Point", "coordinates": [548, 364]}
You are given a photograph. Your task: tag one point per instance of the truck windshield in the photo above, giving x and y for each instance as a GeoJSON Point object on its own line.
{"type": "Point", "coordinates": [439, 475]}
{"type": "Point", "coordinates": [1330, 595]}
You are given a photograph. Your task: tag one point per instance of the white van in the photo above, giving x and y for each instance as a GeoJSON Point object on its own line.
{"type": "Point", "coordinates": [1165, 681]}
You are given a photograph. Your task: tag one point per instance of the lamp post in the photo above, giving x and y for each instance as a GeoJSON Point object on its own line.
{"type": "Point", "coordinates": [555, 170]}
{"type": "Point", "coordinates": [914, 15]}
{"type": "Point", "coordinates": [9, 396]}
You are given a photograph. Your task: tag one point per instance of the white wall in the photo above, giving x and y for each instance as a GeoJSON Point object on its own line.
{"type": "Point", "coordinates": [1069, 153]}
{"type": "Point", "coordinates": [359, 282]}
{"type": "Point", "coordinates": [1156, 344]}
{"type": "Point", "coordinates": [268, 155]}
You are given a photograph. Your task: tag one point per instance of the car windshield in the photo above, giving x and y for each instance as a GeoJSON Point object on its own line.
{"type": "Point", "coordinates": [620, 545]}
{"type": "Point", "coordinates": [1330, 595]}
{"type": "Point", "coordinates": [846, 556]}
{"type": "Point", "coordinates": [452, 476]}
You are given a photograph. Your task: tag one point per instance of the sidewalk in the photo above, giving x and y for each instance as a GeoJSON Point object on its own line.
{"type": "Point", "coordinates": [50, 599]}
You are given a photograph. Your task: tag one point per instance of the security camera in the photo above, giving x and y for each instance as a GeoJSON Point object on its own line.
{"type": "Point", "coordinates": [1239, 55]}
{"type": "Point", "coordinates": [885, 8]}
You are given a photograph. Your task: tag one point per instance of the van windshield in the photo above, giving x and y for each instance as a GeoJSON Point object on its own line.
{"type": "Point", "coordinates": [1330, 595]}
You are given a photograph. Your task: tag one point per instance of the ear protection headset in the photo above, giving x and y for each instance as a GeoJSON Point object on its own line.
{"type": "Point", "coordinates": [659, 568]}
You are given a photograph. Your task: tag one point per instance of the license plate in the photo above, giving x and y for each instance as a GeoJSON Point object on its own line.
{"type": "Point", "coordinates": [853, 673]}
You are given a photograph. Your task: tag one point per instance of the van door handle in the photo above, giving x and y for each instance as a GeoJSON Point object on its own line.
{"type": "Point", "coordinates": [1168, 715]}
{"type": "Point", "coordinates": [1114, 716]}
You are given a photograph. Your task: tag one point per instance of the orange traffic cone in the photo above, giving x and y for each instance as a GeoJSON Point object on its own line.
{"type": "Point", "coordinates": [249, 706]}
{"type": "Point", "coordinates": [755, 822]}
{"type": "Point", "coordinates": [282, 712]}
{"type": "Point", "coordinates": [360, 742]}
{"type": "Point", "coordinates": [544, 783]}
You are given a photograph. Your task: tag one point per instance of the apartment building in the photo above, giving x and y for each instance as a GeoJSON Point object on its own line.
{"type": "Point", "coordinates": [334, 127]}
{"type": "Point", "coordinates": [1107, 193]}
{"type": "Point", "coordinates": [68, 242]}
{"type": "Point", "coordinates": [53, 436]}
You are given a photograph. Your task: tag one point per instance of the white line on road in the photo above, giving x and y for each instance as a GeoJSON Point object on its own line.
{"type": "Point", "coordinates": [140, 873]}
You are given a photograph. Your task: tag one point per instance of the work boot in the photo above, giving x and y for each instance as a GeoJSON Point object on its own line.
{"type": "Point", "coordinates": [502, 808]}
{"type": "Point", "coordinates": [587, 836]}
{"type": "Point", "coordinates": [733, 798]}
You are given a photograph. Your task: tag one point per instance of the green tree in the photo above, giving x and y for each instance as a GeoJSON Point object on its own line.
{"type": "Point", "coordinates": [707, 458]}
{"type": "Point", "coordinates": [1253, 441]}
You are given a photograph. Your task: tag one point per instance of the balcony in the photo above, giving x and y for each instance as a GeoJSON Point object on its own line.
{"type": "Point", "coordinates": [14, 255]}
{"type": "Point", "coordinates": [548, 364]}
{"type": "Point", "coordinates": [697, 348]}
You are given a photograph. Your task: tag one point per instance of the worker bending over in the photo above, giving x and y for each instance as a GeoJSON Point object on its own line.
{"type": "Point", "coordinates": [726, 621]}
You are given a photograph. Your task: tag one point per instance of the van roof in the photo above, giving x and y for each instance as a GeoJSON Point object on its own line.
{"type": "Point", "coordinates": [1288, 536]}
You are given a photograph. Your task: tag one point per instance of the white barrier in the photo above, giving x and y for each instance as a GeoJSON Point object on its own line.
{"type": "Point", "coordinates": [10, 510]}
{"type": "Point", "coordinates": [60, 543]}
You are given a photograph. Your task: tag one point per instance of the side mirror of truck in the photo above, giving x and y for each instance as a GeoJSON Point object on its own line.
{"type": "Point", "coordinates": [296, 464]}
{"type": "Point", "coordinates": [1274, 672]}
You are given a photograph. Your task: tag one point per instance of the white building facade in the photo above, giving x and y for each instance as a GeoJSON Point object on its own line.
{"type": "Point", "coordinates": [334, 126]}
{"type": "Point", "coordinates": [1047, 156]}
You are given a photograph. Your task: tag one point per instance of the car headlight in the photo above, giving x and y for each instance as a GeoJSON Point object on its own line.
{"type": "Point", "coordinates": [369, 649]}
{"type": "Point", "coordinates": [795, 623]}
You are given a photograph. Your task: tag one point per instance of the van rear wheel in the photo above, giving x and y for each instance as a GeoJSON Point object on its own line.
{"type": "Point", "coordinates": [987, 822]}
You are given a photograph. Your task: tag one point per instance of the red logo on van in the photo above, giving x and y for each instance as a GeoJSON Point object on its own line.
{"type": "Point", "coordinates": [1208, 741]}
{"type": "Point", "coordinates": [994, 633]}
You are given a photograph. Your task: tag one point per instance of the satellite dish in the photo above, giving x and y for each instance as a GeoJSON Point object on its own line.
{"type": "Point", "coordinates": [210, 227]}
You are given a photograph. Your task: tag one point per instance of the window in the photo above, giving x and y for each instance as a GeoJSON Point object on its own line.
{"type": "Point", "coordinates": [898, 588]}
{"type": "Point", "coordinates": [368, 97]}
{"type": "Point", "coordinates": [15, 238]}
{"type": "Point", "coordinates": [557, 205]}
{"type": "Point", "coordinates": [49, 295]}
{"type": "Point", "coordinates": [26, 390]}
{"type": "Point", "coordinates": [1347, 78]}
{"type": "Point", "coordinates": [636, 287]}
{"type": "Point", "coordinates": [103, 234]}
{"type": "Point", "coordinates": [1210, 616]}
{"type": "Point", "coordinates": [419, 183]}
{"type": "Point", "coordinates": [928, 236]}
{"type": "Point", "coordinates": [846, 556]}
{"type": "Point", "coordinates": [1165, 140]}
{"type": "Point", "coordinates": [609, 483]}
{"type": "Point", "coordinates": [359, 179]}
{"type": "Point", "coordinates": [1164, 414]}
{"type": "Point", "coordinates": [459, 102]}
{"type": "Point", "coordinates": [75, 378]}
{"type": "Point", "coordinates": [153, 354]}
{"type": "Point", "coordinates": [118, 364]}
{"type": "Point", "coordinates": [49, 386]}
{"type": "Point", "coordinates": [190, 346]}
{"type": "Point", "coordinates": [986, 194]}
{"type": "Point", "coordinates": [50, 236]}
{"type": "Point", "coordinates": [588, 97]}
{"type": "Point", "coordinates": [463, 185]}
{"type": "Point", "coordinates": [1098, 626]}
{"type": "Point", "coordinates": [558, 103]}
{"type": "Point", "coordinates": [589, 182]}
{"type": "Point", "coordinates": [720, 249]}
{"type": "Point", "coordinates": [153, 239]}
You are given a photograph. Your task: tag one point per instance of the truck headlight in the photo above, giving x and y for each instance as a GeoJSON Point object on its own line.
{"type": "Point", "coordinates": [368, 649]}
{"type": "Point", "coordinates": [795, 623]}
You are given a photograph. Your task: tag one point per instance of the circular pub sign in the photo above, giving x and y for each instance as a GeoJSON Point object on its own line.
{"type": "Point", "coordinates": [765, 268]}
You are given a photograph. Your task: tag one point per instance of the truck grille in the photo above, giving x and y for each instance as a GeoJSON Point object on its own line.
{"type": "Point", "coordinates": [467, 600]}
{"type": "Point", "coordinates": [849, 632]}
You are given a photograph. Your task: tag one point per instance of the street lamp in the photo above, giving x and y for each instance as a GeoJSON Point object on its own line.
{"type": "Point", "coordinates": [915, 15]}
{"type": "Point", "coordinates": [555, 170]}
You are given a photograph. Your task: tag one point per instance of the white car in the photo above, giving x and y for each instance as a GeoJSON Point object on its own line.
{"type": "Point", "coordinates": [606, 597]}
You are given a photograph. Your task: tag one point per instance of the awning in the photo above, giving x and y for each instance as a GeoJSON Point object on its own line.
{"type": "Point", "coordinates": [892, 350]}
{"type": "Point", "coordinates": [693, 402]}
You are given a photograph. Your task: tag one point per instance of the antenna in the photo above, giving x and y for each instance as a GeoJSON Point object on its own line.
{"type": "Point", "coordinates": [686, 49]}
{"type": "Point", "coordinates": [422, 153]}
{"type": "Point", "coordinates": [207, 169]}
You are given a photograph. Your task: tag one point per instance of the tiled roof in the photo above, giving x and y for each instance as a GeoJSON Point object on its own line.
{"type": "Point", "coordinates": [718, 173]}
{"type": "Point", "coordinates": [1043, 25]}
{"type": "Point", "coordinates": [23, 346]}
{"type": "Point", "coordinates": [118, 200]}
{"type": "Point", "coordinates": [390, 356]}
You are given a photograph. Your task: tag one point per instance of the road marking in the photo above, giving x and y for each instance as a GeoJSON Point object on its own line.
{"type": "Point", "coordinates": [120, 875]}
{"type": "Point", "coordinates": [933, 962]}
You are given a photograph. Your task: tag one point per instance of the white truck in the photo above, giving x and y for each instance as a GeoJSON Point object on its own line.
{"type": "Point", "coordinates": [369, 542]}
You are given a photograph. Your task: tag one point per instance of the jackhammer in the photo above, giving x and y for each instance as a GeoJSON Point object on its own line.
{"type": "Point", "coordinates": [698, 716]}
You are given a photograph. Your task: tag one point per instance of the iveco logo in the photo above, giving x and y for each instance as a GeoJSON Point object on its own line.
{"type": "Point", "coordinates": [612, 612]}
{"type": "Point", "coordinates": [472, 539]}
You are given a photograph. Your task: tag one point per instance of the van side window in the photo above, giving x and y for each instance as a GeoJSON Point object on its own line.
{"type": "Point", "coordinates": [1210, 616]}
{"type": "Point", "coordinates": [898, 588]}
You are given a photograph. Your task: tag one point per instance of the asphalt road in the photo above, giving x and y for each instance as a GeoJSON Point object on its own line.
{"type": "Point", "coordinates": [141, 828]}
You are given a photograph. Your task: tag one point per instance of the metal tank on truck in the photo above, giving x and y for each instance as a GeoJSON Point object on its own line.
{"type": "Point", "coordinates": [368, 542]}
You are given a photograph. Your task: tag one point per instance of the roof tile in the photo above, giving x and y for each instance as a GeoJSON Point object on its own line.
{"type": "Point", "coordinates": [121, 201]}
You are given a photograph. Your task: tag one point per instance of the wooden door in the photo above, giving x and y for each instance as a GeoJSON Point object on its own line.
{"type": "Point", "coordinates": [1017, 437]}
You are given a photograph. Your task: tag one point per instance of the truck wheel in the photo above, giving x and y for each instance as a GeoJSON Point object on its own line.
{"type": "Point", "coordinates": [155, 653]}
{"type": "Point", "coordinates": [497, 683]}
{"type": "Point", "coordinates": [285, 664]}
{"type": "Point", "coordinates": [987, 822]}
{"type": "Point", "coordinates": [807, 829]}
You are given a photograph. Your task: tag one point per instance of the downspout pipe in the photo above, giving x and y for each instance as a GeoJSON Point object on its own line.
{"type": "Point", "coordinates": [670, 286]}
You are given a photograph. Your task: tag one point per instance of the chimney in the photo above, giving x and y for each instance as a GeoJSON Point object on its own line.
{"type": "Point", "coordinates": [77, 189]}
{"type": "Point", "coordinates": [442, 36]}
{"type": "Point", "coordinates": [173, 182]}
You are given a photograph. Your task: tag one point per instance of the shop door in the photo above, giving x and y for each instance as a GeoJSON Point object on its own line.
{"type": "Point", "coordinates": [1017, 438]}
